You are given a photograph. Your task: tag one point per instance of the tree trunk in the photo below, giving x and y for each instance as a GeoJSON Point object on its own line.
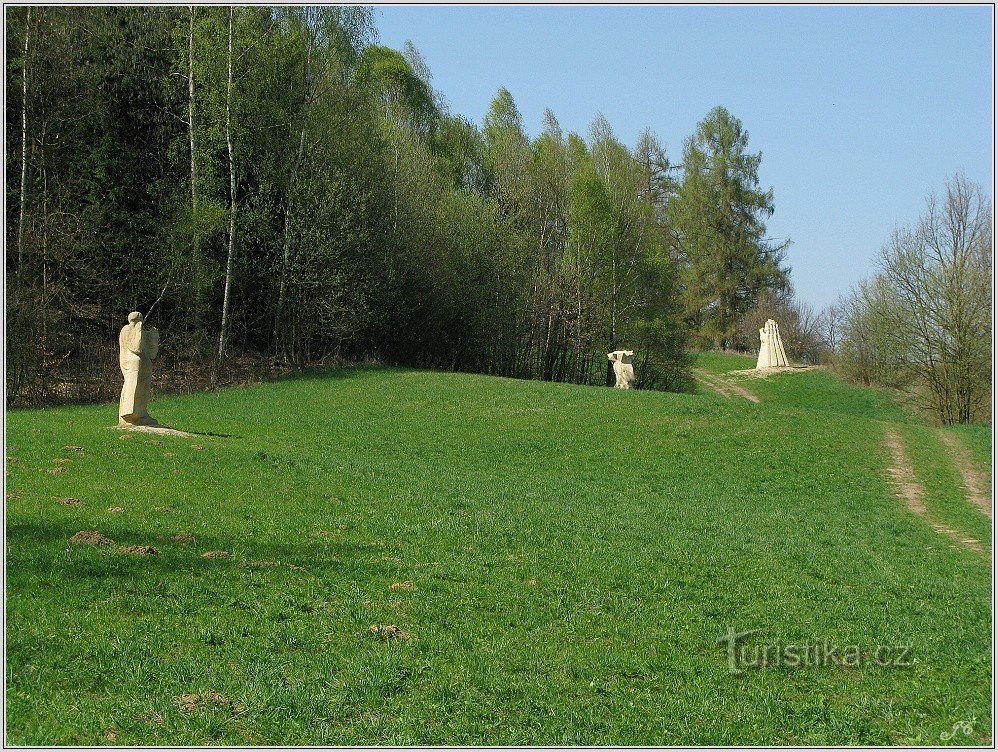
{"type": "Point", "coordinates": [24, 146]}
{"type": "Point", "coordinates": [289, 202]}
{"type": "Point", "coordinates": [233, 207]}
{"type": "Point", "coordinates": [196, 235]}
{"type": "Point", "coordinates": [611, 379]}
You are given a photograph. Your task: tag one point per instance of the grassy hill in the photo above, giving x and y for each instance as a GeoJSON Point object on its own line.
{"type": "Point", "coordinates": [546, 564]}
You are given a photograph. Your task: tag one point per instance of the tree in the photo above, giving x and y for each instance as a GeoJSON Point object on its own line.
{"type": "Point", "coordinates": [869, 352]}
{"type": "Point", "coordinates": [507, 158]}
{"type": "Point", "coordinates": [940, 273]}
{"type": "Point", "coordinates": [23, 195]}
{"type": "Point", "coordinates": [831, 327]}
{"type": "Point", "coordinates": [233, 204]}
{"type": "Point", "coordinates": [718, 219]}
{"type": "Point", "coordinates": [330, 41]}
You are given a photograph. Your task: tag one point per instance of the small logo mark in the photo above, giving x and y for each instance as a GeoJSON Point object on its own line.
{"type": "Point", "coordinates": [964, 727]}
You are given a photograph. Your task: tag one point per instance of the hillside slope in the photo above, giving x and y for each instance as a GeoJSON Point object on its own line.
{"type": "Point", "coordinates": [558, 563]}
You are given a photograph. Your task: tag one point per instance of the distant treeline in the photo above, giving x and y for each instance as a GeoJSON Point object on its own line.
{"type": "Point", "coordinates": [271, 183]}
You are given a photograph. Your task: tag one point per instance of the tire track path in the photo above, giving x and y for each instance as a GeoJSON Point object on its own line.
{"type": "Point", "coordinates": [978, 490]}
{"type": "Point", "coordinates": [909, 489]}
{"type": "Point", "coordinates": [723, 386]}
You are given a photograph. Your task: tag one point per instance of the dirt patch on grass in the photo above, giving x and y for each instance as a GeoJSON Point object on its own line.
{"type": "Point", "coordinates": [115, 510]}
{"type": "Point", "coordinates": [977, 488]}
{"type": "Point", "coordinates": [215, 555]}
{"type": "Point", "coordinates": [407, 585]}
{"type": "Point", "coordinates": [706, 379]}
{"type": "Point", "coordinates": [723, 386]}
{"type": "Point", "coordinates": [91, 538]}
{"type": "Point", "coordinates": [166, 510]}
{"type": "Point", "coordinates": [191, 703]}
{"type": "Point", "coordinates": [388, 632]}
{"type": "Point", "coordinates": [139, 550]}
{"type": "Point", "coordinates": [161, 430]}
{"type": "Point", "coordinates": [756, 373]}
{"type": "Point", "coordinates": [903, 473]}
{"type": "Point", "coordinates": [69, 501]}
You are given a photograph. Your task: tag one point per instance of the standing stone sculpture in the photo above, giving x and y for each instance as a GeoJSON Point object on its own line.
{"type": "Point", "coordinates": [622, 367]}
{"type": "Point", "coordinates": [771, 352]}
{"type": "Point", "coordinates": [137, 349]}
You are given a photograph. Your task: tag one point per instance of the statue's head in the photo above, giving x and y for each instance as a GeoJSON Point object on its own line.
{"type": "Point", "coordinates": [134, 317]}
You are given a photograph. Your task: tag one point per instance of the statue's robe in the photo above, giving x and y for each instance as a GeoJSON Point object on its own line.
{"type": "Point", "coordinates": [136, 349]}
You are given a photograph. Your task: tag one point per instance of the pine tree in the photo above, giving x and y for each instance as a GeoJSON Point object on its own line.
{"type": "Point", "coordinates": [718, 216]}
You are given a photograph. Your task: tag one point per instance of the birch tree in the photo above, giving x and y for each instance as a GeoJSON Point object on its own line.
{"type": "Point", "coordinates": [233, 203]}
{"type": "Point", "coordinates": [23, 198]}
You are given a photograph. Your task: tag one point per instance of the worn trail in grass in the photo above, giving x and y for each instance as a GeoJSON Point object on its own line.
{"type": "Point", "coordinates": [913, 493]}
{"type": "Point", "coordinates": [973, 479]}
{"type": "Point", "coordinates": [722, 385]}
{"type": "Point", "coordinates": [544, 563]}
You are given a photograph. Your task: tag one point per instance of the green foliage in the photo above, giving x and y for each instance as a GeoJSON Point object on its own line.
{"type": "Point", "coordinates": [718, 214]}
{"type": "Point", "coordinates": [407, 99]}
{"type": "Point", "coordinates": [365, 219]}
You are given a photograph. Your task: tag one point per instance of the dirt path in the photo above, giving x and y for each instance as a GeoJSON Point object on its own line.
{"type": "Point", "coordinates": [977, 488]}
{"type": "Point", "coordinates": [707, 380]}
{"type": "Point", "coordinates": [911, 491]}
{"type": "Point", "coordinates": [723, 386]}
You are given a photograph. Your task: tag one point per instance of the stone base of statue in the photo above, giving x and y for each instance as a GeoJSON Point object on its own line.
{"type": "Point", "coordinates": [126, 421]}
{"type": "Point", "coordinates": [771, 352]}
{"type": "Point", "coordinates": [154, 430]}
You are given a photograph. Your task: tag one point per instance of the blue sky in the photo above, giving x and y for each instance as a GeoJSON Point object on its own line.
{"type": "Point", "coordinates": [859, 112]}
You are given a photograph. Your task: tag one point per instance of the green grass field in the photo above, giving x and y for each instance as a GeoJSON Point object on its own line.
{"type": "Point", "coordinates": [558, 563]}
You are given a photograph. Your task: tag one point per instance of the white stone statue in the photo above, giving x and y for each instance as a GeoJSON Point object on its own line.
{"type": "Point", "coordinates": [622, 367]}
{"type": "Point", "coordinates": [771, 352]}
{"type": "Point", "coordinates": [137, 348]}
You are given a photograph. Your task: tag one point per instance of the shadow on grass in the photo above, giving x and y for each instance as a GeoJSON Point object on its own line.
{"type": "Point", "coordinates": [216, 435]}
{"type": "Point", "coordinates": [343, 372]}
{"type": "Point", "coordinates": [30, 551]}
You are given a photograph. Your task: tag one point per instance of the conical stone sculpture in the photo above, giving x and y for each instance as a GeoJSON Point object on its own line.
{"type": "Point", "coordinates": [771, 352]}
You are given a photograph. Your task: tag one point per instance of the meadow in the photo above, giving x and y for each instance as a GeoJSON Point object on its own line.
{"type": "Point", "coordinates": [412, 557]}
